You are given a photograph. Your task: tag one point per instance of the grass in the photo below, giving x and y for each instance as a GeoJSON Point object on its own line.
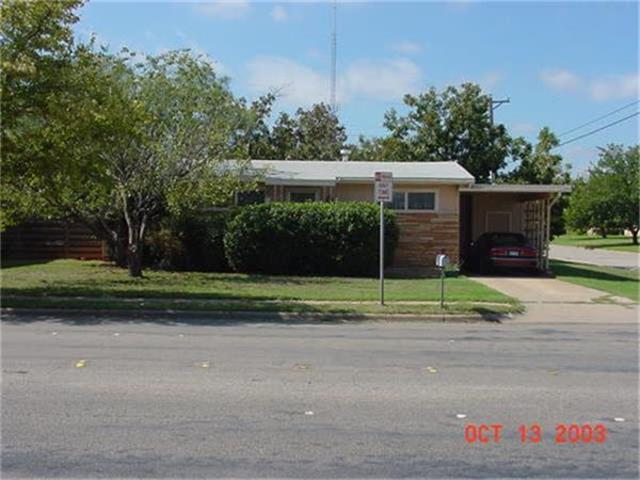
{"type": "Point", "coordinates": [98, 279]}
{"type": "Point", "coordinates": [612, 242]}
{"type": "Point", "coordinates": [100, 285]}
{"type": "Point", "coordinates": [169, 306]}
{"type": "Point", "coordinates": [615, 281]}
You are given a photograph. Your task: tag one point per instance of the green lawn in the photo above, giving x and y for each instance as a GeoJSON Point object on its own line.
{"type": "Point", "coordinates": [612, 242]}
{"type": "Point", "coordinates": [105, 283]}
{"type": "Point", "coordinates": [615, 281]}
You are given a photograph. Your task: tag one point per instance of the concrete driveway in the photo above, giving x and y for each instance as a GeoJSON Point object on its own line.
{"type": "Point", "coordinates": [549, 300]}
{"type": "Point", "coordinates": [600, 257]}
{"type": "Point", "coordinates": [543, 290]}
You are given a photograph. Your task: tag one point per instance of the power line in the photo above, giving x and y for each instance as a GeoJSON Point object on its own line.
{"type": "Point", "coordinates": [599, 118]}
{"type": "Point", "coordinates": [599, 129]}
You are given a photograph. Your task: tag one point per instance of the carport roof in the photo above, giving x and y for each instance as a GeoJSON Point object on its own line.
{"type": "Point", "coordinates": [516, 188]}
{"type": "Point", "coordinates": [318, 172]}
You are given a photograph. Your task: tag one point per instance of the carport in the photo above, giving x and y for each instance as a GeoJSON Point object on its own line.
{"type": "Point", "coordinates": [524, 209]}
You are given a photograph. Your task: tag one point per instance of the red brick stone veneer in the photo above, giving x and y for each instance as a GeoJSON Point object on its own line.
{"type": "Point", "coordinates": [423, 236]}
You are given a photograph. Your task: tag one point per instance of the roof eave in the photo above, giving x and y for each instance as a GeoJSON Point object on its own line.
{"type": "Point", "coordinates": [517, 188]}
{"type": "Point", "coordinates": [456, 181]}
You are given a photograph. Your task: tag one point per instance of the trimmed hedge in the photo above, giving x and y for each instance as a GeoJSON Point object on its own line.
{"type": "Point", "coordinates": [192, 243]}
{"type": "Point", "coordinates": [339, 238]}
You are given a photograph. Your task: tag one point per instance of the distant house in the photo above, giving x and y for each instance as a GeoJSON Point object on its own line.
{"type": "Point", "coordinates": [437, 204]}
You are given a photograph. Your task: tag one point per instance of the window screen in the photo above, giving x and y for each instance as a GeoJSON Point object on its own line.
{"type": "Point", "coordinates": [421, 201]}
{"type": "Point", "coordinates": [300, 197]}
{"type": "Point", "coordinates": [398, 201]}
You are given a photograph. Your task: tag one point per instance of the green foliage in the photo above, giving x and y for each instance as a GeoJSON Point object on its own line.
{"type": "Point", "coordinates": [442, 126]}
{"type": "Point", "coordinates": [193, 242]}
{"type": "Point", "coordinates": [610, 197]}
{"type": "Point", "coordinates": [313, 134]}
{"type": "Point", "coordinates": [537, 164]}
{"type": "Point", "coordinates": [309, 238]}
{"type": "Point", "coordinates": [36, 55]}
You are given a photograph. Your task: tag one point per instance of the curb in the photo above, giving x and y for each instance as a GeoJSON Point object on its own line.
{"type": "Point", "coordinates": [253, 316]}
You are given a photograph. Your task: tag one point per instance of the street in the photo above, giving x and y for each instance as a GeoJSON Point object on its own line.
{"type": "Point", "coordinates": [108, 397]}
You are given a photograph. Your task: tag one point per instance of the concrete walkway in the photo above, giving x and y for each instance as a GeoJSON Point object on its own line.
{"type": "Point", "coordinates": [595, 256]}
{"type": "Point", "coordinates": [549, 300]}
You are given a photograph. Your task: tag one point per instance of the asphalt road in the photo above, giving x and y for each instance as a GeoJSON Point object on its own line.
{"type": "Point", "coordinates": [315, 400]}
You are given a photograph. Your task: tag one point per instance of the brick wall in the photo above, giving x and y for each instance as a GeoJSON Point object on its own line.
{"type": "Point", "coordinates": [423, 236]}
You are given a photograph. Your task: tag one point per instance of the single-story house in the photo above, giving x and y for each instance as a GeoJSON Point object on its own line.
{"type": "Point", "coordinates": [438, 205]}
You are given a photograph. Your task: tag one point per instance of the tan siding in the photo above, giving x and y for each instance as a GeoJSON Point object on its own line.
{"type": "Point", "coordinates": [354, 192]}
{"type": "Point", "coordinates": [504, 202]}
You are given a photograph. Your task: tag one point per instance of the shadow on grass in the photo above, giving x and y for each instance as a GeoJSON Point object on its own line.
{"type": "Point", "coordinates": [571, 270]}
{"type": "Point", "coordinates": [8, 263]}
{"type": "Point", "coordinates": [307, 315]}
{"type": "Point", "coordinates": [79, 318]}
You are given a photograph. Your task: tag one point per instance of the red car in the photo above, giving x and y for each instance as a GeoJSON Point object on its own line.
{"type": "Point", "coordinates": [502, 250]}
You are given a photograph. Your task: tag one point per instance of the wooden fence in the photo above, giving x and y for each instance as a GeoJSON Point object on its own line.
{"type": "Point", "coordinates": [48, 240]}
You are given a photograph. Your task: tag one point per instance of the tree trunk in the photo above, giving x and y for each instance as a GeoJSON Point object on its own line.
{"type": "Point", "coordinates": [134, 259]}
{"type": "Point", "coordinates": [603, 232]}
{"type": "Point", "coordinates": [634, 236]}
{"type": "Point", "coordinates": [136, 228]}
{"type": "Point", "coordinates": [118, 252]}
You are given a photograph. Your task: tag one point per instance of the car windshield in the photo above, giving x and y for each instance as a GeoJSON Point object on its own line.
{"type": "Point", "coordinates": [504, 240]}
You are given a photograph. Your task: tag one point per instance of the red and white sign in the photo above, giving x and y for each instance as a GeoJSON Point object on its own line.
{"type": "Point", "coordinates": [383, 186]}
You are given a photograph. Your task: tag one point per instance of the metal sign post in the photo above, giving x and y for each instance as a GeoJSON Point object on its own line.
{"type": "Point", "coordinates": [383, 193]}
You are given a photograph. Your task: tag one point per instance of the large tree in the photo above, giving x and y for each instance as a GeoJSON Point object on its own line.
{"type": "Point", "coordinates": [174, 123]}
{"type": "Point", "coordinates": [538, 164]}
{"type": "Point", "coordinates": [309, 134]}
{"type": "Point", "coordinates": [454, 124]}
{"type": "Point", "coordinates": [610, 197]}
{"type": "Point", "coordinates": [37, 55]}
{"type": "Point", "coordinates": [128, 139]}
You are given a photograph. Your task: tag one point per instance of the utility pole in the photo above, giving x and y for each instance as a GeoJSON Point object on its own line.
{"type": "Point", "coordinates": [333, 56]}
{"type": "Point", "coordinates": [495, 104]}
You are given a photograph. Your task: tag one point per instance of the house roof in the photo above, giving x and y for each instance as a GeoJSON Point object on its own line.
{"type": "Point", "coordinates": [316, 172]}
{"type": "Point", "coordinates": [516, 188]}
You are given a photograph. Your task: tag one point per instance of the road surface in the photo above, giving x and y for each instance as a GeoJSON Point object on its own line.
{"type": "Point", "coordinates": [87, 397]}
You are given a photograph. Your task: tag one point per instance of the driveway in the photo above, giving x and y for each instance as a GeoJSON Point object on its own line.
{"type": "Point", "coordinates": [373, 399]}
{"type": "Point", "coordinates": [594, 256]}
{"type": "Point", "coordinates": [549, 300]}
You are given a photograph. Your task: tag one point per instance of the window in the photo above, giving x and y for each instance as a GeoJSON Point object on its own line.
{"type": "Point", "coordinates": [250, 198]}
{"type": "Point", "coordinates": [398, 201]}
{"type": "Point", "coordinates": [301, 197]}
{"type": "Point", "coordinates": [422, 201]}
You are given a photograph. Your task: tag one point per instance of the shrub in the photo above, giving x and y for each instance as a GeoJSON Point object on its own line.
{"type": "Point", "coordinates": [309, 238]}
{"type": "Point", "coordinates": [191, 243]}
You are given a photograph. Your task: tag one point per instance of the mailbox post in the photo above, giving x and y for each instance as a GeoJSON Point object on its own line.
{"type": "Point", "coordinates": [442, 261]}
